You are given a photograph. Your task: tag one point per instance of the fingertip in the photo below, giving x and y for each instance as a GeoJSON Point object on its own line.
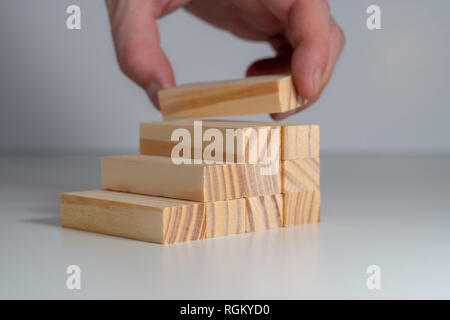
{"type": "Point", "coordinates": [309, 63]}
{"type": "Point", "coordinates": [309, 33]}
{"type": "Point", "coordinates": [152, 92]}
{"type": "Point", "coordinates": [252, 70]}
{"type": "Point", "coordinates": [283, 115]}
{"type": "Point", "coordinates": [276, 117]}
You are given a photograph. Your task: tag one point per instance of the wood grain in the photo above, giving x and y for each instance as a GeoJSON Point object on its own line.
{"type": "Point", "coordinates": [263, 94]}
{"type": "Point", "coordinates": [301, 208]}
{"type": "Point", "coordinates": [145, 218]}
{"type": "Point", "coordinates": [159, 176]}
{"type": "Point", "coordinates": [225, 218]}
{"type": "Point", "coordinates": [260, 185]}
{"type": "Point", "coordinates": [300, 141]}
{"type": "Point", "coordinates": [264, 212]}
{"type": "Point", "coordinates": [251, 141]}
{"type": "Point", "coordinates": [301, 175]}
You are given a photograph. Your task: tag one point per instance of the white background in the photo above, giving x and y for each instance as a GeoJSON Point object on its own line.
{"type": "Point", "coordinates": [63, 89]}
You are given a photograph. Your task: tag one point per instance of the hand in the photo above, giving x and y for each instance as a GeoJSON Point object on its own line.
{"type": "Point", "coordinates": [304, 35]}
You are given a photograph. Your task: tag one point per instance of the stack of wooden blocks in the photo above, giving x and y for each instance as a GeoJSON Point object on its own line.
{"type": "Point", "coordinates": [151, 197]}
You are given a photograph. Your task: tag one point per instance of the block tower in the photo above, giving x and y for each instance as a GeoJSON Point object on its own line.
{"type": "Point", "coordinates": [202, 179]}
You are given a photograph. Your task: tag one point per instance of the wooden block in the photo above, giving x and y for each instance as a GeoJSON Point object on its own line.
{"type": "Point", "coordinates": [225, 218]}
{"type": "Point", "coordinates": [301, 208]}
{"type": "Point", "coordinates": [297, 140]}
{"type": "Point", "coordinates": [301, 175]}
{"type": "Point", "coordinates": [264, 212]}
{"type": "Point", "coordinates": [263, 94]}
{"type": "Point", "coordinates": [159, 176]}
{"type": "Point", "coordinates": [300, 141]}
{"type": "Point", "coordinates": [144, 218]}
{"type": "Point", "coordinates": [250, 141]}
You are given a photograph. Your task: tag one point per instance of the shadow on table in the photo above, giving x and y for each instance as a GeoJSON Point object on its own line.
{"type": "Point", "coordinates": [52, 215]}
{"type": "Point", "coordinates": [48, 221]}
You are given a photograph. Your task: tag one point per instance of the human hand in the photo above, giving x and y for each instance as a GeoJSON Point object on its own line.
{"type": "Point", "coordinates": [304, 35]}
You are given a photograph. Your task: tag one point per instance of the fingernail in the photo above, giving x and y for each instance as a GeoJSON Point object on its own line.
{"type": "Point", "coordinates": [152, 92]}
{"type": "Point", "coordinates": [282, 115]}
{"type": "Point", "coordinates": [301, 100]}
{"type": "Point", "coordinates": [317, 80]}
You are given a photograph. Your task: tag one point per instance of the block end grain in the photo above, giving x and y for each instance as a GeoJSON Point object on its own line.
{"type": "Point", "coordinates": [301, 208]}
{"type": "Point", "coordinates": [264, 212]}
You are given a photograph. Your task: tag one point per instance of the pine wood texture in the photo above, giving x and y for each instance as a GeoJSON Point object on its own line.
{"type": "Point", "coordinates": [301, 175]}
{"type": "Point", "coordinates": [262, 94]}
{"type": "Point", "coordinates": [301, 208]}
{"type": "Point", "coordinates": [138, 217]}
{"type": "Point", "coordinates": [224, 218]}
{"type": "Point", "coordinates": [144, 193]}
{"type": "Point", "coordinates": [159, 176]}
{"type": "Point", "coordinates": [300, 141]}
{"type": "Point", "coordinates": [251, 141]}
{"type": "Point", "coordinates": [264, 212]}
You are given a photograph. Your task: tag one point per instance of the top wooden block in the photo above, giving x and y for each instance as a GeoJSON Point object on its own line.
{"type": "Point", "coordinates": [262, 94]}
{"type": "Point", "coordinates": [237, 141]}
{"type": "Point", "coordinates": [291, 141]}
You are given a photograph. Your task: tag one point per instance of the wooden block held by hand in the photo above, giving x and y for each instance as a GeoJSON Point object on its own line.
{"type": "Point", "coordinates": [264, 212]}
{"type": "Point", "coordinates": [159, 176]}
{"type": "Point", "coordinates": [145, 218]}
{"type": "Point", "coordinates": [301, 175]}
{"type": "Point", "coordinates": [301, 208]}
{"type": "Point", "coordinates": [252, 95]}
{"type": "Point", "coordinates": [226, 141]}
{"type": "Point", "coordinates": [225, 218]}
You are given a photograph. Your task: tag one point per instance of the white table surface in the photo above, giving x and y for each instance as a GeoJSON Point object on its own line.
{"type": "Point", "coordinates": [391, 211]}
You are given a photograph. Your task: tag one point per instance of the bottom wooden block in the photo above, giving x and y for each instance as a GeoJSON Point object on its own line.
{"type": "Point", "coordinates": [165, 220]}
{"type": "Point", "coordinates": [264, 212]}
{"type": "Point", "coordinates": [225, 218]}
{"type": "Point", "coordinates": [301, 208]}
{"type": "Point", "coordinates": [145, 218]}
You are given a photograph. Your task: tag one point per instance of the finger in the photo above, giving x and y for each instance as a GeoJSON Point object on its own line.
{"type": "Point", "coordinates": [281, 63]}
{"type": "Point", "coordinates": [283, 115]}
{"type": "Point", "coordinates": [337, 43]}
{"type": "Point", "coordinates": [277, 65]}
{"type": "Point", "coordinates": [137, 43]}
{"type": "Point", "coordinates": [308, 32]}
{"type": "Point", "coordinates": [279, 43]}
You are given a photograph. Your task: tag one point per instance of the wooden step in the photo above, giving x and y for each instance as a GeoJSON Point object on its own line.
{"type": "Point", "coordinates": [164, 220]}
{"type": "Point", "coordinates": [292, 141]}
{"type": "Point", "coordinates": [159, 176]}
{"type": "Point", "coordinates": [231, 141]}
{"type": "Point", "coordinates": [146, 218]}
